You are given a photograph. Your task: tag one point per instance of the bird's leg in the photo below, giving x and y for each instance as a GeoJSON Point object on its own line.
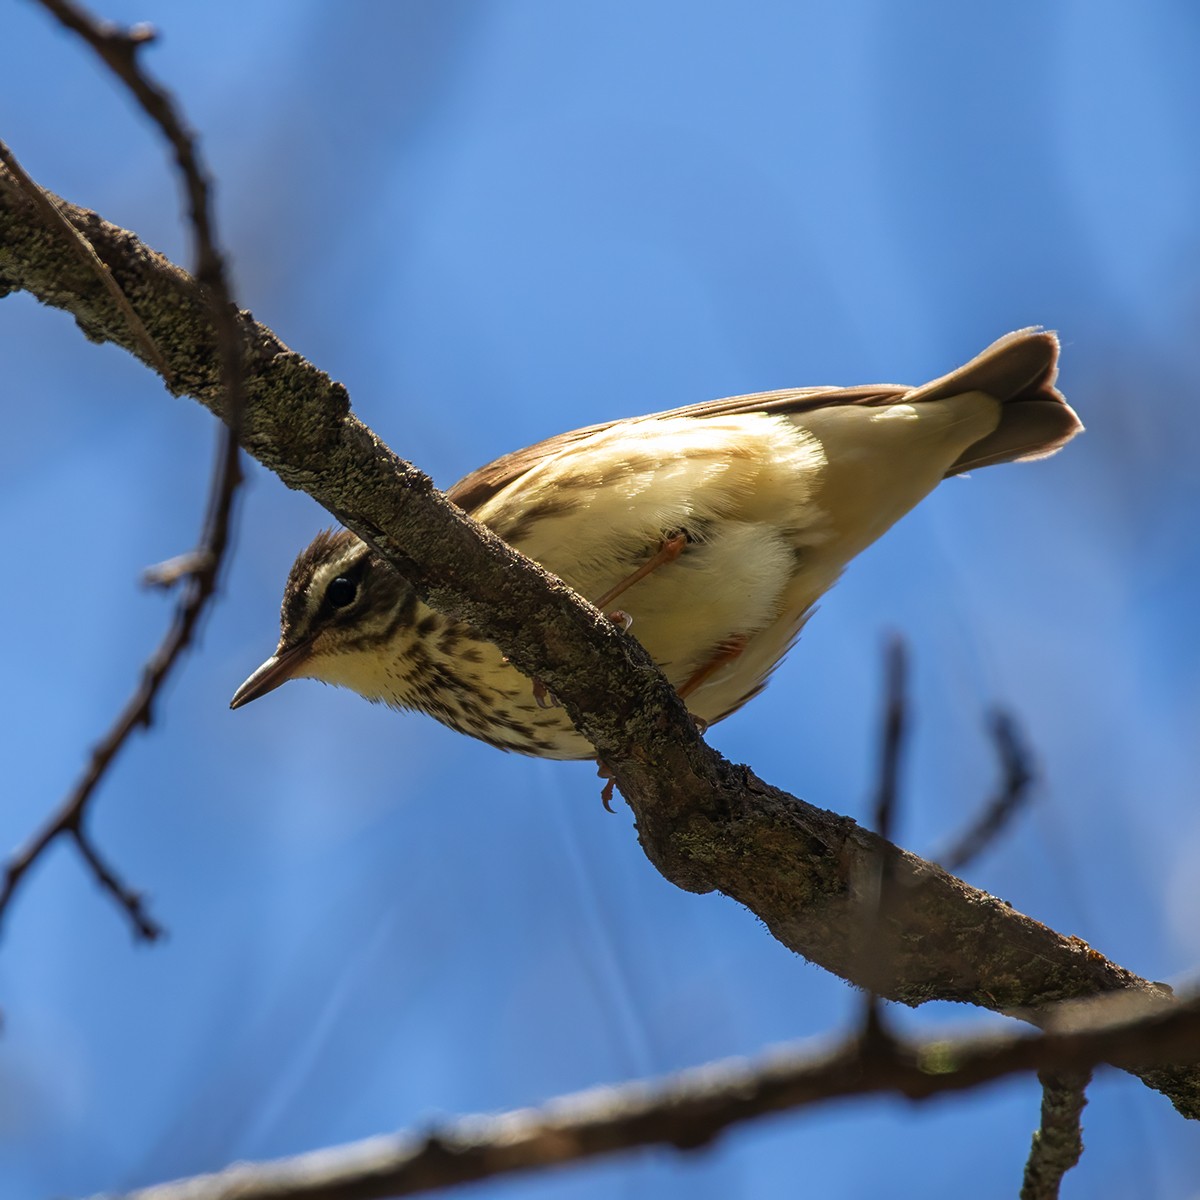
{"type": "Point", "coordinates": [725, 652]}
{"type": "Point", "coordinates": [606, 792]}
{"type": "Point", "coordinates": [668, 551]}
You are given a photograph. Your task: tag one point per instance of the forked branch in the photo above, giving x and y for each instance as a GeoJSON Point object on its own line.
{"type": "Point", "coordinates": [119, 49]}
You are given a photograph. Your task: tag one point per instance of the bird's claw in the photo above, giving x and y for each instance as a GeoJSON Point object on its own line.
{"type": "Point", "coordinates": [606, 793]}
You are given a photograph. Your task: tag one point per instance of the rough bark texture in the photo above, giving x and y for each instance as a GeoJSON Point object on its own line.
{"type": "Point", "coordinates": [1058, 1141]}
{"type": "Point", "coordinates": [705, 823]}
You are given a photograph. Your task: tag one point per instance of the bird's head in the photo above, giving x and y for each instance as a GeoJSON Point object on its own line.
{"type": "Point", "coordinates": [341, 605]}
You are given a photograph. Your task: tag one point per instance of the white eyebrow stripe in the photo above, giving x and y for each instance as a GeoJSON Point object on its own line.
{"type": "Point", "coordinates": [326, 573]}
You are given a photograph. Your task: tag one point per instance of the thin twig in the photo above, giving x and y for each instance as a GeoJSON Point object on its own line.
{"type": "Point", "coordinates": [70, 816]}
{"type": "Point", "coordinates": [87, 252]}
{"type": "Point", "coordinates": [1018, 775]}
{"type": "Point", "coordinates": [1058, 1143]}
{"type": "Point", "coordinates": [118, 48]}
{"type": "Point", "coordinates": [132, 902]}
{"type": "Point", "coordinates": [686, 1111]}
{"type": "Point", "coordinates": [895, 722]}
{"type": "Point", "coordinates": [165, 575]}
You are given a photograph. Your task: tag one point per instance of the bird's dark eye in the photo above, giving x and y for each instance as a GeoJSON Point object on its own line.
{"type": "Point", "coordinates": [341, 592]}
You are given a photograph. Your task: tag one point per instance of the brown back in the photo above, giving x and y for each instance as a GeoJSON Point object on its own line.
{"type": "Point", "coordinates": [1018, 369]}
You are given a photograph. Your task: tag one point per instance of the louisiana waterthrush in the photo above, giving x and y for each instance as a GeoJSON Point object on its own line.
{"type": "Point", "coordinates": [714, 528]}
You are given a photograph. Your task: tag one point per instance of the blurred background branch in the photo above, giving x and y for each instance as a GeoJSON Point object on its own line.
{"type": "Point", "coordinates": [691, 1110]}
{"type": "Point", "coordinates": [119, 50]}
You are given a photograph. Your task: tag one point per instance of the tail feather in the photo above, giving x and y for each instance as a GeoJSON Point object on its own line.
{"type": "Point", "coordinates": [1019, 370]}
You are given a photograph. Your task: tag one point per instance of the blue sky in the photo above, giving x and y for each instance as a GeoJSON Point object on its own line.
{"type": "Point", "coordinates": [495, 221]}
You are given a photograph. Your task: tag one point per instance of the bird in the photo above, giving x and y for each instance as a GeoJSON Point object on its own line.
{"type": "Point", "coordinates": [707, 532]}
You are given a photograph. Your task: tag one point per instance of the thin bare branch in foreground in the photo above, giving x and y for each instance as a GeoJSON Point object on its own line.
{"type": "Point", "coordinates": [1018, 775]}
{"type": "Point", "coordinates": [119, 49]}
{"type": "Point", "coordinates": [687, 1111]}
{"type": "Point", "coordinates": [1058, 1143]}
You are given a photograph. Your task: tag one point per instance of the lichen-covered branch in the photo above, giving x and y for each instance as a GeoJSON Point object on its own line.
{"type": "Point", "coordinates": [1058, 1141]}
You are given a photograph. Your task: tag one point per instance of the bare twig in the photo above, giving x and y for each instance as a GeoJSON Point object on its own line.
{"type": "Point", "coordinates": [132, 902]}
{"type": "Point", "coordinates": [1018, 775]}
{"type": "Point", "coordinates": [87, 253]}
{"type": "Point", "coordinates": [118, 48]}
{"type": "Point", "coordinates": [686, 1111]}
{"type": "Point", "coordinates": [70, 816]}
{"type": "Point", "coordinates": [1058, 1144]}
{"type": "Point", "coordinates": [166, 575]}
{"type": "Point", "coordinates": [895, 723]}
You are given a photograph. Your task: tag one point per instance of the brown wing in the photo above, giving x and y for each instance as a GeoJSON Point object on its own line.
{"type": "Point", "coordinates": [1018, 369]}
{"type": "Point", "coordinates": [481, 485]}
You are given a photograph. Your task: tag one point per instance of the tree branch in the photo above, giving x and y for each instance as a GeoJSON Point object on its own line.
{"type": "Point", "coordinates": [687, 1111]}
{"type": "Point", "coordinates": [704, 822]}
{"type": "Point", "coordinates": [119, 48]}
{"type": "Point", "coordinates": [83, 248]}
{"type": "Point", "coordinates": [1058, 1143]}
